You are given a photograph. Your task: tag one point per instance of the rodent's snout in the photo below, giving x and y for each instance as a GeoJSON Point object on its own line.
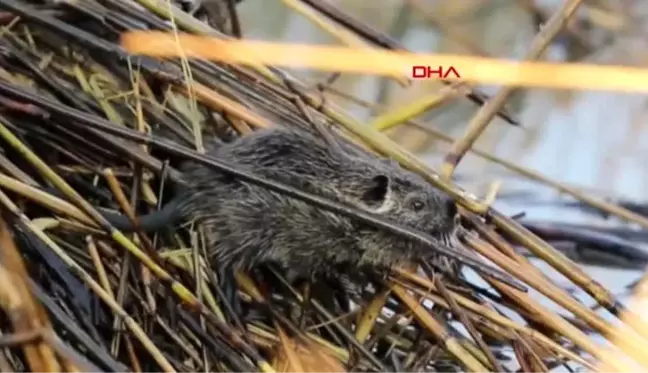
{"type": "Point", "coordinates": [451, 208]}
{"type": "Point", "coordinates": [446, 218]}
{"type": "Point", "coordinates": [452, 213]}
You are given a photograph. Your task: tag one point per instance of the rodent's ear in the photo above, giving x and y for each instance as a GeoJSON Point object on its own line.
{"type": "Point", "coordinates": [377, 190]}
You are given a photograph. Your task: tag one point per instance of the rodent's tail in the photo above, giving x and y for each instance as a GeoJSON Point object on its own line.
{"type": "Point", "coordinates": [165, 217]}
{"type": "Point", "coordinates": [168, 215]}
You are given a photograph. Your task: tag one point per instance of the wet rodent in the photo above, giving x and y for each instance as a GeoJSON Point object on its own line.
{"type": "Point", "coordinates": [247, 225]}
{"type": "Point", "coordinates": [171, 213]}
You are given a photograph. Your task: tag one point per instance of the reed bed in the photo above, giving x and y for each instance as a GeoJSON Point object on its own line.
{"type": "Point", "coordinates": [107, 129]}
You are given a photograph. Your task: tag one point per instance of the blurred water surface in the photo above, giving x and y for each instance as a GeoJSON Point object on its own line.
{"type": "Point", "coordinates": [594, 140]}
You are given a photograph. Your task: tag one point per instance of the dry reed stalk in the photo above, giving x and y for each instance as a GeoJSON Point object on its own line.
{"type": "Point", "coordinates": [635, 317]}
{"type": "Point", "coordinates": [473, 69]}
{"type": "Point", "coordinates": [478, 124]}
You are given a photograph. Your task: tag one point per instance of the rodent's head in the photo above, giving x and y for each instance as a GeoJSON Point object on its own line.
{"type": "Point", "coordinates": [408, 199]}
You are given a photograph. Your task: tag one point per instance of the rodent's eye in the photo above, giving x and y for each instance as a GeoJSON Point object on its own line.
{"type": "Point", "coordinates": [417, 205]}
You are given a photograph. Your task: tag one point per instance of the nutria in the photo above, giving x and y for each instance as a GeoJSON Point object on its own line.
{"type": "Point", "coordinates": [248, 224]}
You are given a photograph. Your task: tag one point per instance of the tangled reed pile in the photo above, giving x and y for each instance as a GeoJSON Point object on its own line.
{"type": "Point", "coordinates": [107, 129]}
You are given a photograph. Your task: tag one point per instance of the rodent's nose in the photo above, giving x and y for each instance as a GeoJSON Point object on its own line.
{"type": "Point", "coordinates": [453, 214]}
{"type": "Point", "coordinates": [451, 208]}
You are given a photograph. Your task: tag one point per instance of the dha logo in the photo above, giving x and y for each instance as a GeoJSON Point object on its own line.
{"type": "Point", "coordinates": [441, 72]}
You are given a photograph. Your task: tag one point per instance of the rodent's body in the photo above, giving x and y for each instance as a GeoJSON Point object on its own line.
{"type": "Point", "coordinates": [248, 225]}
